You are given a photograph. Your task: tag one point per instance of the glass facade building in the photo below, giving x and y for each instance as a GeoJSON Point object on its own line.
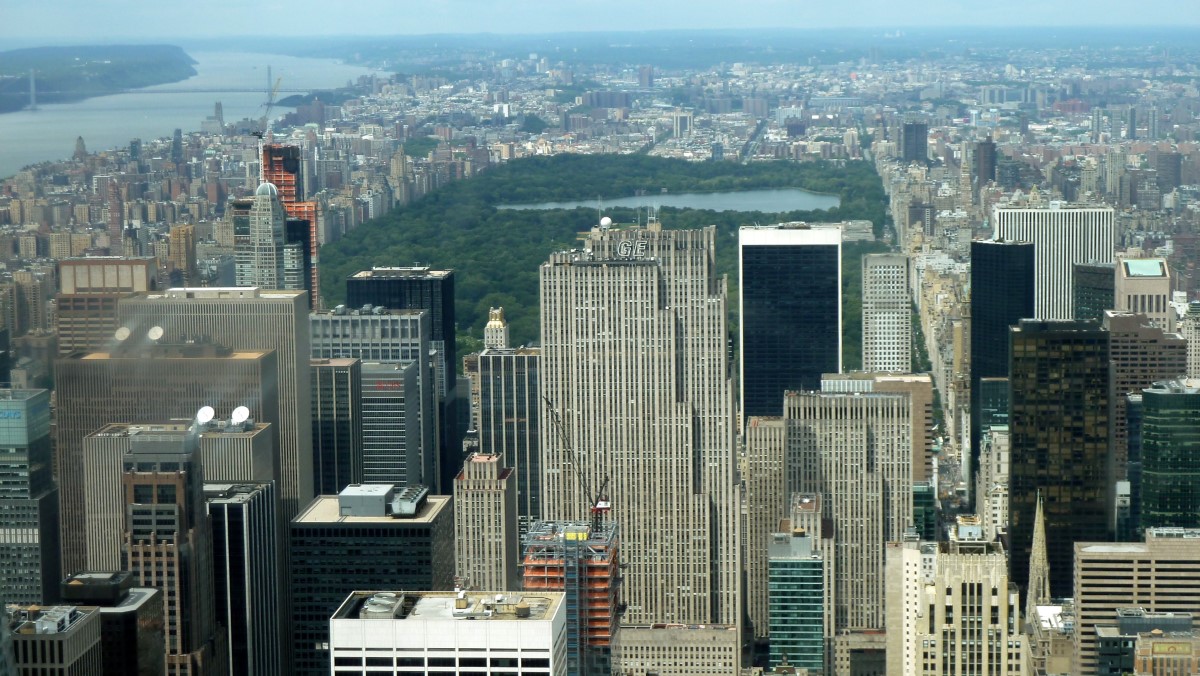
{"type": "Point", "coordinates": [337, 424]}
{"type": "Point", "coordinates": [509, 421]}
{"type": "Point", "coordinates": [796, 601]}
{"type": "Point", "coordinates": [29, 546]}
{"type": "Point", "coordinates": [791, 312]}
{"type": "Point", "coordinates": [1094, 289]}
{"type": "Point", "coordinates": [1170, 481]}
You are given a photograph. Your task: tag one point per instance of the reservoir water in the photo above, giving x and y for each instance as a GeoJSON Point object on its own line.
{"type": "Point", "coordinates": [775, 200]}
{"type": "Point", "coordinates": [48, 133]}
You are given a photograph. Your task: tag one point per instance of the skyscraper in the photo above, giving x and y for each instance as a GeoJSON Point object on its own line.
{"type": "Point", "coordinates": [131, 620]}
{"type": "Point", "coordinates": [887, 314]}
{"type": "Point", "coordinates": [337, 424]}
{"type": "Point", "coordinates": [788, 339]}
{"type": "Point", "coordinates": [168, 545]}
{"type": "Point", "coordinates": [85, 309]}
{"type": "Point", "coordinates": [432, 290]}
{"type": "Point", "coordinates": [1143, 285]}
{"type": "Point", "coordinates": [131, 384]}
{"type": "Point", "coordinates": [509, 421]}
{"type": "Point", "coordinates": [393, 451]}
{"type": "Point", "coordinates": [283, 167]}
{"type": "Point", "coordinates": [634, 363]}
{"type": "Point", "coordinates": [985, 164]}
{"type": "Point", "coordinates": [485, 524]}
{"type": "Point", "coordinates": [1170, 486]}
{"type": "Point", "coordinates": [1002, 293]}
{"type": "Point", "coordinates": [1062, 235]}
{"type": "Point", "coordinates": [249, 319]}
{"type": "Point", "coordinates": [262, 265]}
{"type": "Point", "coordinates": [796, 598]}
{"type": "Point", "coordinates": [914, 141]}
{"type": "Point", "coordinates": [29, 545]}
{"type": "Point", "coordinates": [1095, 289]}
{"type": "Point", "coordinates": [1059, 429]}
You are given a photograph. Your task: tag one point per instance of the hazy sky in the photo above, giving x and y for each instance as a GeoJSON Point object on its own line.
{"type": "Point", "coordinates": [28, 22]}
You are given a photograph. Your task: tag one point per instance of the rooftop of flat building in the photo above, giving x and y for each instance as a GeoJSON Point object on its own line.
{"type": "Point", "coordinates": [164, 352]}
{"type": "Point", "coordinates": [335, 362]}
{"type": "Point", "coordinates": [238, 493]}
{"type": "Point", "coordinates": [43, 620]}
{"type": "Point", "coordinates": [326, 509]}
{"type": "Point", "coordinates": [1144, 267]}
{"type": "Point", "coordinates": [8, 394]}
{"type": "Point", "coordinates": [416, 272]}
{"type": "Point", "coordinates": [427, 606]}
{"type": "Point", "coordinates": [1183, 386]}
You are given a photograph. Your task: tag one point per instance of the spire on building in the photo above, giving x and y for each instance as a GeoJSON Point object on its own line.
{"type": "Point", "coordinates": [1039, 567]}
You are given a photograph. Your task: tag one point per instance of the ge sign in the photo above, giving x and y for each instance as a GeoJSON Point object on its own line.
{"type": "Point", "coordinates": [631, 248]}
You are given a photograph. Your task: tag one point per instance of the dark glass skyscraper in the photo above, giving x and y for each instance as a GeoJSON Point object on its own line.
{"type": "Point", "coordinates": [914, 139]}
{"type": "Point", "coordinates": [1001, 295]}
{"type": "Point", "coordinates": [1170, 486]}
{"type": "Point", "coordinates": [1059, 424]}
{"type": "Point", "coordinates": [791, 312]}
{"type": "Point", "coordinates": [337, 424]}
{"type": "Point", "coordinates": [1094, 289]}
{"type": "Point", "coordinates": [509, 421]}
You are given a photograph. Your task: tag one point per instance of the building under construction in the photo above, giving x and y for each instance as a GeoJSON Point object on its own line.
{"type": "Point", "coordinates": [583, 560]}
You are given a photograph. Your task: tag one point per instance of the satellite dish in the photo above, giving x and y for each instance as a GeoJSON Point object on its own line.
{"type": "Point", "coordinates": [155, 332]}
{"type": "Point", "coordinates": [240, 415]}
{"type": "Point", "coordinates": [122, 333]}
{"type": "Point", "coordinates": [205, 414]}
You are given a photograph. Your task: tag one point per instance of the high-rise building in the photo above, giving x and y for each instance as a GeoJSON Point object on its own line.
{"type": "Point", "coordinates": [951, 608]}
{"type": "Point", "coordinates": [766, 495]}
{"type": "Point", "coordinates": [29, 546]}
{"type": "Point", "coordinates": [1170, 481]}
{"type": "Point", "coordinates": [495, 332]}
{"type": "Point", "coordinates": [985, 164]}
{"type": "Point", "coordinates": [788, 339]}
{"type": "Point", "coordinates": [918, 387]}
{"type": "Point", "coordinates": [887, 314]}
{"type": "Point", "coordinates": [283, 167]}
{"type": "Point", "coordinates": [56, 641]}
{"type": "Point", "coordinates": [247, 576]}
{"type": "Point", "coordinates": [85, 309]}
{"type": "Point", "coordinates": [1140, 354]}
{"type": "Point", "coordinates": [448, 632]}
{"type": "Point", "coordinates": [1159, 574]}
{"type": "Point", "coordinates": [634, 364]}
{"type": "Point", "coordinates": [485, 524]}
{"type": "Point", "coordinates": [509, 421]}
{"type": "Point", "coordinates": [393, 450]}
{"type": "Point", "coordinates": [1062, 235]}
{"type": "Point", "coordinates": [131, 620]}
{"type": "Point", "coordinates": [1059, 432]}
{"type": "Point", "coordinates": [1002, 293]}
{"type": "Point", "coordinates": [796, 598]}
{"type": "Point", "coordinates": [182, 251]}
{"type": "Point", "coordinates": [262, 266]}
{"type": "Point", "coordinates": [1143, 285]}
{"type": "Point", "coordinates": [914, 141]}
{"type": "Point", "coordinates": [248, 319]}
{"type": "Point", "coordinates": [1189, 327]}
{"type": "Point", "coordinates": [142, 382]}
{"type": "Point", "coordinates": [1095, 289]}
{"type": "Point", "coordinates": [432, 290]}
{"type": "Point", "coordinates": [854, 450]}
{"type": "Point", "coordinates": [337, 424]}
{"type": "Point", "coordinates": [368, 537]}
{"type": "Point", "coordinates": [1169, 170]}
{"type": "Point", "coordinates": [583, 561]}
{"type": "Point", "coordinates": [168, 545]}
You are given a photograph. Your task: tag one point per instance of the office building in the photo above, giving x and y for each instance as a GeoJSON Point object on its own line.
{"type": "Point", "coordinates": [985, 164]}
{"type": "Point", "coordinates": [298, 273]}
{"type": "Point", "coordinates": [1117, 646]}
{"type": "Point", "coordinates": [887, 315]}
{"type": "Point", "coordinates": [131, 620]}
{"type": "Point", "coordinates": [788, 339]}
{"type": "Point", "coordinates": [1062, 235]}
{"type": "Point", "coordinates": [951, 608]}
{"type": "Point", "coordinates": [237, 450]}
{"type": "Point", "coordinates": [583, 561]}
{"type": "Point", "coordinates": [261, 265]}
{"type": "Point", "coordinates": [914, 141]}
{"type": "Point", "coordinates": [85, 309]}
{"type": "Point", "coordinates": [635, 366]}
{"type": "Point", "coordinates": [393, 539]}
{"type": "Point", "coordinates": [510, 424]}
{"type": "Point", "coordinates": [1002, 293]}
{"type": "Point", "coordinates": [1159, 574]}
{"type": "Point", "coordinates": [248, 319]}
{"type": "Point", "coordinates": [1143, 286]}
{"type": "Point", "coordinates": [128, 385]}
{"type": "Point", "coordinates": [182, 254]}
{"type": "Point", "coordinates": [247, 574]}
{"type": "Point", "coordinates": [1140, 354]}
{"type": "Point", "coordinates": [796, 598]}
{"type": "Point", "coordinates": [918, 387]}
{"type": "Point", "coordinates": [406, 632]}
{"type": "Point", "coordinates": [766, 495]}
{"type": "Point", "coordinates": [1059, 434]}
{"type": "Point", "coordinates": [29, 545]}
{"type": "Point", "coordinates": [337, 398]}
{"type": "Point", "coordinates": [56, 641]}
{"type": "Point", "coordinates": [993, 405]}
{"type": "Point", "coordinates": [854, 449]}
{"type": "Point", "coordinates": [168, 545]}
{"type": "Point", "coordinates": [1094, 289]}
{"type": "Point", "coordinates": [395, 346]}
{"type": "Point", "coordinates": [485, 524]}
{"type": "Point", "coordinates": [1170, 479]}
{"type": "Point", "coordinates": [678, 650]}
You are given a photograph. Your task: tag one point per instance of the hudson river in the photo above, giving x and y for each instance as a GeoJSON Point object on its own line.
{"type": "Point", "coordinates": [31, 136]}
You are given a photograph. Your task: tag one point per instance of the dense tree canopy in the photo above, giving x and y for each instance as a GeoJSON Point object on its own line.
{"type": "Point", "coordinates": [496, 252]}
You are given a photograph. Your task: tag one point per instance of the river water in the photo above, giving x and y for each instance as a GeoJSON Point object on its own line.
{"type": "Point", "coordinates": [775, 200]}
{"type": "Point", "coordinates": [30, 136]}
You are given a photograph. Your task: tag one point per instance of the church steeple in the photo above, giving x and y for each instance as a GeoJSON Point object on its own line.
{"type": "Point", "coordinates": [1039, 567]}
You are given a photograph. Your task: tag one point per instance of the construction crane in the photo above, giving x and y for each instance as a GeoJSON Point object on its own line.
{"type": "Point", "coordinates": [264, 122]}
{"type": "Point", "coordinates": [598, 502]}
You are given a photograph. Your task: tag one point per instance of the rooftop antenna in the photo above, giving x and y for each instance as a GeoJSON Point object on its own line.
{"type": "Point", "coordinates": [240, 415]}
{"type": "Point", "coordinates": [205, 415]}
